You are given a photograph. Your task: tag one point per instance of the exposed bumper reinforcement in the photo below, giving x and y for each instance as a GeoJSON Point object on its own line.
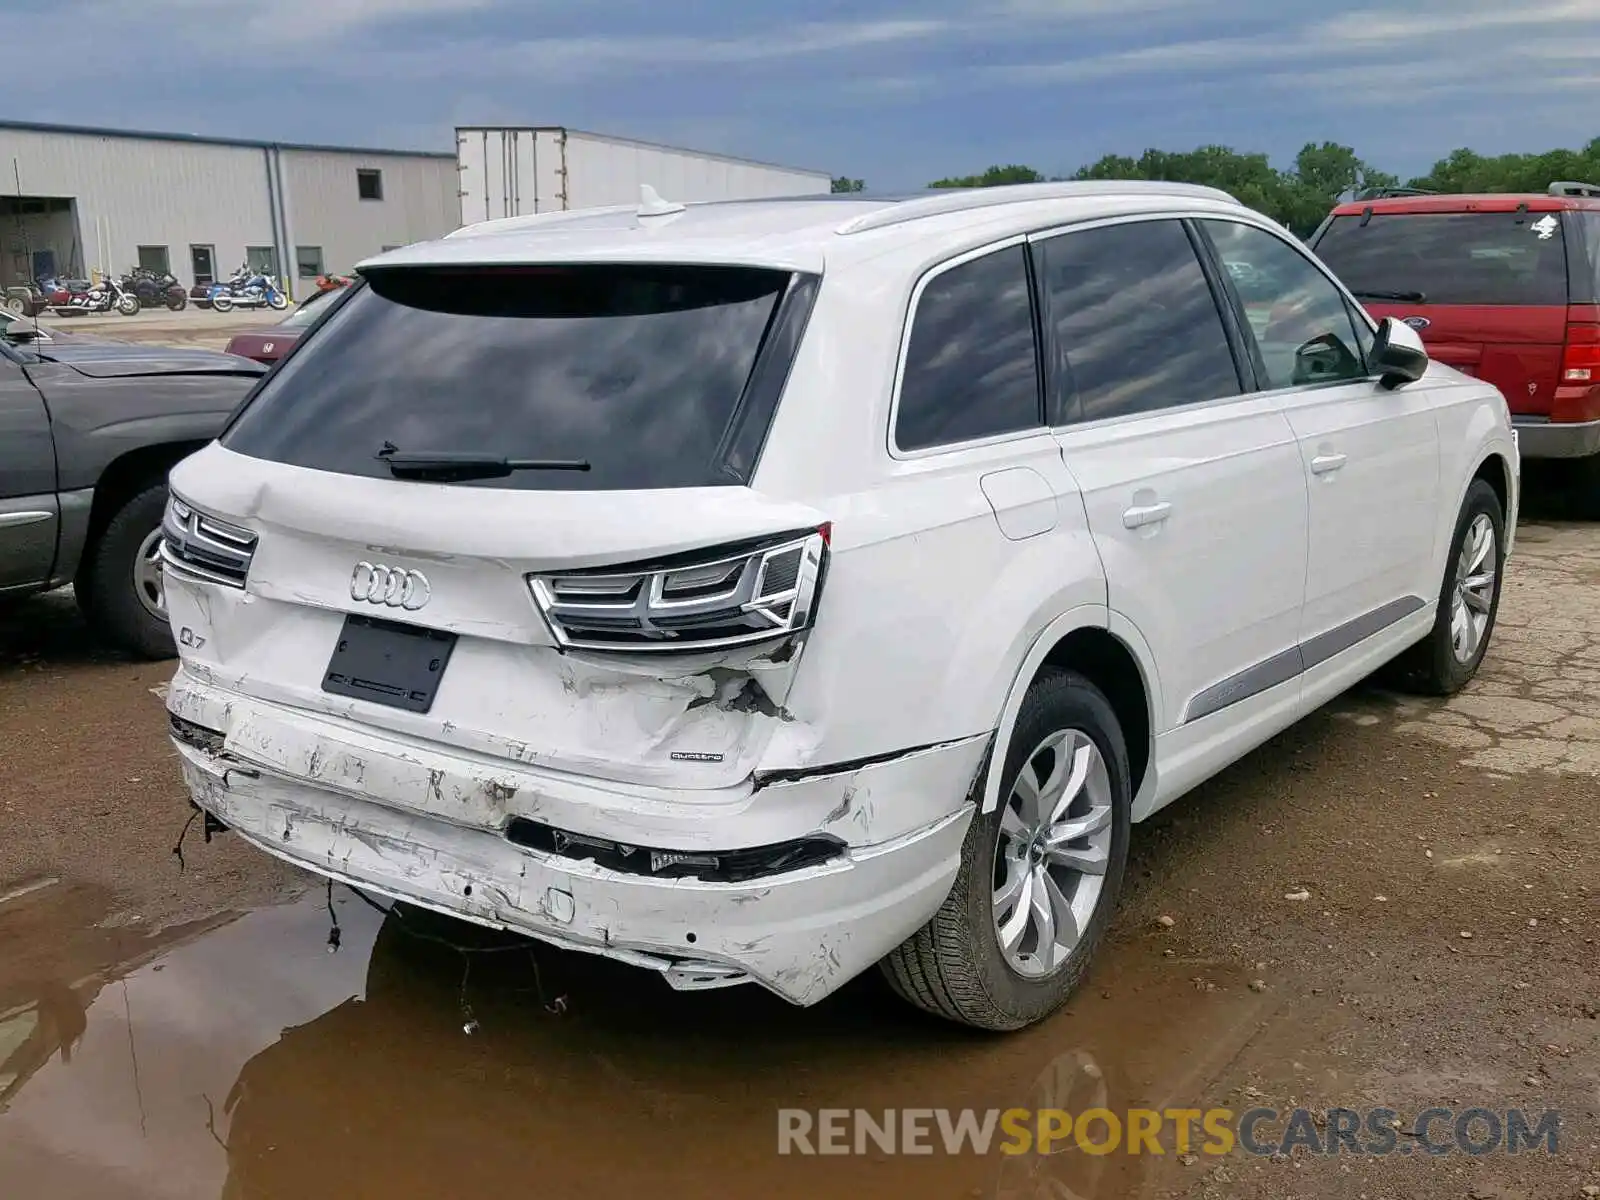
{"type": "Point", "coordinates": [802, 934]}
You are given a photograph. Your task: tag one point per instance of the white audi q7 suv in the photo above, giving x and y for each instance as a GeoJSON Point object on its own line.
{"type": "Point", "coordinates": [764, 590]}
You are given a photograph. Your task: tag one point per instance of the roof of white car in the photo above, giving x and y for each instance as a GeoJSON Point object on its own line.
{"type": "Point", "coordinates": [798, 233]}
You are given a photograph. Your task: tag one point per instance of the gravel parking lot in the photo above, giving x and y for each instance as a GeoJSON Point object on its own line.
{"type": "Point", "coordinates": [1394, 904]}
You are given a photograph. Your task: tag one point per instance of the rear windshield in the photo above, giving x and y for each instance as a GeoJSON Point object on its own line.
{"type": "Point", "coordinates": [1450, 258]}
{"type": "Point", "coordinates": [636, 370]}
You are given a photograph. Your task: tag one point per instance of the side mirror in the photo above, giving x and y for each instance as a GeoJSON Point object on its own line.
{"type": "Point", "coordinates": [1398, 355]}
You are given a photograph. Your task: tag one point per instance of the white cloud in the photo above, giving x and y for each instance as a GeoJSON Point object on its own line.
{"type": "Point", "coordinates": [267, 22]}
{"type": "Point", "coordinates": [1385, 26]}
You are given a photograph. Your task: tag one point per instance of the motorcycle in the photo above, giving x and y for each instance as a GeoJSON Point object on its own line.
{"type": "Point", "coordinates": [75, 297]}
{"type": "Point", "coordinates": [247, 290]}
{"type": "Point", "coordinates": [155, 289]}
{"type": "Point", "coordinates": [26, 300]}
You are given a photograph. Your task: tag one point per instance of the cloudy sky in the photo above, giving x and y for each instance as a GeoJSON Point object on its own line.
{"type": "Point", "coordinates": [895, 91]}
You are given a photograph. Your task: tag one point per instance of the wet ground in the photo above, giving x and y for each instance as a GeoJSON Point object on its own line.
{"type": "Point", "coordinates": [172, 1032]}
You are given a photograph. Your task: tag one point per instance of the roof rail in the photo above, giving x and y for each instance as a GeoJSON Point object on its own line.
{"type": "Point", "coordinates": [1384, 193]}
{"type": "Point", "coordinates": [1569, 188]}
{"type": "Point", "coordinates": [962, 199]}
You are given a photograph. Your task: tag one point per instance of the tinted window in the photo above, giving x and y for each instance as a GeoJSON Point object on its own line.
{"type": "Point", "coordinates": [1135, 319]}
{"type": "Point", "coordinates": [971, 363]}
{"type": "Point", "coordinates": [1300, 320]}
{"type": "Point", "coordinates": [1583, 254]}
{"type": "Point", "coordinates": [1451, 258]}
{"type": "Point", "coordinates": [637, 370]}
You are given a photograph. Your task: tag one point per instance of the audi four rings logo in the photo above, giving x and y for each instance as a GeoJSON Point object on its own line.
{"type": "Point", "coordinates": [391, 586]}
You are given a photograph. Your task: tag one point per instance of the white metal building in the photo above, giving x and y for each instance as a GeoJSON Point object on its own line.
{"type": "Point", "coordinates": [513, 171]}
{"type": "Point", "coordinates": [75, 200]}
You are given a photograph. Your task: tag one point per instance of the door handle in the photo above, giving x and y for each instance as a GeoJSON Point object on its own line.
{"type": "Point", "coordinates": [1145, 514]}
{"type": "Point", "coordinates": [1324, 463]}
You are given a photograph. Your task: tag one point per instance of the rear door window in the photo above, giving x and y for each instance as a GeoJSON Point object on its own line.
{"type": "Point", "coordinates": [637, 370]}
{"type": "Point", "coordinates": [1450, 258]}
{"type": "Point", "coordinates": [1135, 320]}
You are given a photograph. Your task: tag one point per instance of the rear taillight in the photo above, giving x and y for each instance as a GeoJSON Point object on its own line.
{"type": "Point", "coordinates": [721, 598]}
{"type": "Point", "coordinates": [200, 546]}
{"type": "Point", "coordinates": [1580, 361]}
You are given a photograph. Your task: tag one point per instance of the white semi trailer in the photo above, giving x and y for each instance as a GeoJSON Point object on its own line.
{"type": "Point", "coordinates": [511, 172]}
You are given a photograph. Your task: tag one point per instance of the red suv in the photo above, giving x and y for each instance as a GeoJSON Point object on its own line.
{"type": "Point", "coordinates": [1504, 287]}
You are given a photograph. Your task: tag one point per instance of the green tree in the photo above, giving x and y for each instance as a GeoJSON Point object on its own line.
{"type": "Point", "coordinates": [993, 177]}
{"type": "Point", "coordinates": [1468, 171]}
{"type": "Point", "coordinates": [843, 183]}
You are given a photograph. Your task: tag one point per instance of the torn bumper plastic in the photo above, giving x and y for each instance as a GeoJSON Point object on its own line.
{"type": "Point", "coordinates": [801, 933]}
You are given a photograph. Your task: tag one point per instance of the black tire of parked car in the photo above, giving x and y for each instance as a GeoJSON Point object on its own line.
{"type": "Point", "coordinates": [105, 581]}
{"type": "Point", "coordinates": [1431, 667]}
{"type": "Point", "coordinates": [953, 966]}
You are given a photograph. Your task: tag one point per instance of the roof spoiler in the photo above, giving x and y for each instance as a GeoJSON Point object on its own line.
{"type": "Point", "coordinates": [1570, 188]}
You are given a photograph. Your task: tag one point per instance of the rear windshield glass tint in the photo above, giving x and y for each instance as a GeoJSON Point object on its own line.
{"type": "Point", "coordinates": [1451, 258]}
{"type": "Point", "coordinates": [637, 370]}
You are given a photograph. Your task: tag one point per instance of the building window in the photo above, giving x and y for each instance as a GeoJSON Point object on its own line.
{"type": "Point", "coordinates": [308, 261]}
{"type": "Point", "coordinates": [369, 183]}
{"type": "Point", "coordinates": [154, 259]}
{"type": "Point", "coordinates": [261, 260]}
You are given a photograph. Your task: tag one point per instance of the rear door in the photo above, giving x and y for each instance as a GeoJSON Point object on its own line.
{"type": "Point", "coordinates": [1194, 492]}
{"type": "Point", "coordinates": [1493, 288]}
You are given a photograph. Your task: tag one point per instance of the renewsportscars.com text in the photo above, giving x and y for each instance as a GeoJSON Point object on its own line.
{"type": "Point", "coordinates": [1216, 1131]}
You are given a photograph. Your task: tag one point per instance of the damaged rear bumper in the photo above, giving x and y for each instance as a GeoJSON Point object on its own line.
{"type": "Point", "coordinates": [801, 933]}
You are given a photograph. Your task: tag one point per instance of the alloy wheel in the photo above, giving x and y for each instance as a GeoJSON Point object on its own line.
{"type": "Point", "coordinates": [1052, 853]}
{"type": "Point", "coordinates": [149, 582]}
{"type": "Point", "coordinates": [1472, 597]}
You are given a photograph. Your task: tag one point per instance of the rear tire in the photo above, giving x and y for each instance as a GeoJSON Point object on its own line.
{"type": "Point", "coordinates": [957, 966]}
{"type": "Point", "coordinates": [113, 572]}
{"type": "Point", "coordinates": [222, 303]}
{"type": "Point", "coordinates": [1447, 659]}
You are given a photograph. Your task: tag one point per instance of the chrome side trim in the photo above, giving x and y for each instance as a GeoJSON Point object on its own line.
{"type": "Point", "coordinates": [30, 516]}
{"type": "Point", "coordinates": [1297, 660]}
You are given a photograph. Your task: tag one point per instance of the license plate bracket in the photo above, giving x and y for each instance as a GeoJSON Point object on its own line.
{"type": "Point", "coordinates": [388, 663]}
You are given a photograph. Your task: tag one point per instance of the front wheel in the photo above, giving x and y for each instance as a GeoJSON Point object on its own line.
{"type": "Point", "coordinates": [1469, 599]}
{"type": "Point", "coordinates": [120, 587]}
{"type": "Point", "coordinates": [1039, 876]}
{"type": "Point", "coordinates": [221, 302]}
{"type": "Point", "coordinates": [128, 304]}
{"type": "Point", "coordinates": [278, 301]}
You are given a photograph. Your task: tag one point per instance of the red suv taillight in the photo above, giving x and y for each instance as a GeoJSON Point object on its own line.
{"type": "Point", "coordinates": [1577, 396]}
{"type": "Point", "coordinates": [1580, 361]}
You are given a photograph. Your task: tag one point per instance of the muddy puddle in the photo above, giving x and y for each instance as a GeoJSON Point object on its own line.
{"type": "Point", "coordinates": [239, 1057]}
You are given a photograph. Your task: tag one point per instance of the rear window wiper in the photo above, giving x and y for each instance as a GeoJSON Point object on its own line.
{"type": "Point", "coordinates": [445, 466]}
{"type": "Point", "coordinates": [1408, 297]}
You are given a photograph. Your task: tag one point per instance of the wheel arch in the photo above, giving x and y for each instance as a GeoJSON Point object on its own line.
{"type": "Point", "coordinates": [129, 474]}
{"type": "Point", "coordinates": [1079, 640]}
